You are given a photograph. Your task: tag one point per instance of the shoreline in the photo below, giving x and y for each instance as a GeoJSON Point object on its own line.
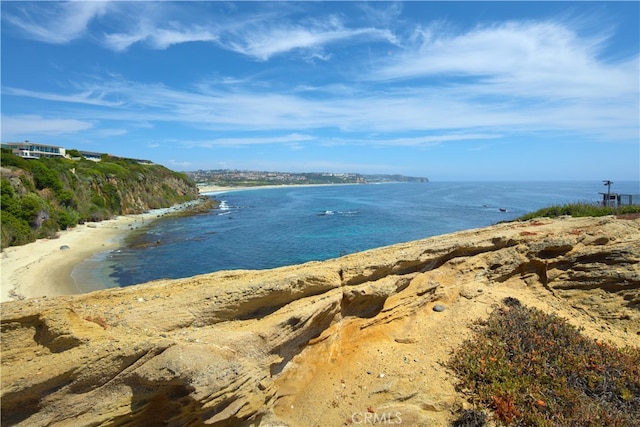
{"type": "Point", "coordinates": [44, 268]}
{"type": "Point", "coordinates": [212, 190]}
{"type": "Point", "coordinates": [41, 269]}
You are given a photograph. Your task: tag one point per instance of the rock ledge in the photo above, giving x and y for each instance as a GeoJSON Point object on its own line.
{"type": "Point", "coordinates": [322, 343]}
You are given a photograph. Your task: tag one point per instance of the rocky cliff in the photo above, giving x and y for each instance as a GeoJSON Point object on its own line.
{"type": "Point", "coordinates": [323, 343]}
{"type": "Point", "coordinates": [42, 196]}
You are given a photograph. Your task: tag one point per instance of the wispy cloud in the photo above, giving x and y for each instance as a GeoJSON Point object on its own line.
{"type": "Point", "coordinates": [108, 132]}
{"type": "Point", "coordinates": [445, 84]}
{"type": "Point", "coordinates": [428, 140]}
{"type": "Point", "coordinates": [158, 38]}
{"type": "Point", "coordinates": [263, 40]}
{"type": "Point", "coordinates": [259, 34]}
{"type": "Point", "coordinates": [18, 126]}
{"type": "Point", "coordinates": [293, 138]}
{"type": "Point", "coordinates": [457, 111]}
{"type": "Point", "coordinates": [529, 59]}
{"type": "Point", "coordinates": [95, 96]}
{"type": "Point", "coordinates": [55, 22]}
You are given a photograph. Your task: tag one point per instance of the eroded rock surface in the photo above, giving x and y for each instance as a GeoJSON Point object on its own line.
{"type": "Point", "coordinates": [323, 343]}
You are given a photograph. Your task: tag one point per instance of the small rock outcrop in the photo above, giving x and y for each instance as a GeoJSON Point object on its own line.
{"type": "Point", "coordinates": [322, 343]}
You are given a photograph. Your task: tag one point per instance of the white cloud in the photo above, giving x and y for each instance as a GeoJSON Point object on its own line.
{"type": "Point", "coordinates": [105, 133]}
{"type": "Point", "coordinates": [260, 34]}
{"type": "Point", "coordinates": [405, 109]}
{"type": "Point", "coordinates": [264, 40]}
{"type": "Point", "coordinates": [95, 96]}
{"type": "Point", "coordinates": [134, 22]}
{"type": "Point", "coordinates": [528, 59]}
{"type": "Point", "coordinates": [415, 141]}
{"type": "Point", "coordinates": [434, 139]}
{"type": "Point", "coordinates": [158, 38]}
{"type": "Point", "coordinates": [514, 77]}
{"type": "Point", "coordinates": [26, 126]}
{"type": "Point", "coordinates": [333, 166]}
{"type": "Point", "coordinates": [294, 139]}
{"type": "Point", "coordinates": [56, 22]}
{"type": "Point", "coordinates": [121, 41]}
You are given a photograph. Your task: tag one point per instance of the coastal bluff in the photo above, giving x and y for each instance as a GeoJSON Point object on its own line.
{"type": "Point", "coordinates": [323, 343]}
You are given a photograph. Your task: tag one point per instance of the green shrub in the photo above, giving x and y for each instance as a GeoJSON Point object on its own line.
{"type": "Point", "coordinates": [66, 198]}
{"type": "Point", "coordinates": [580, 210]}
{"type": "Point", "coordinates": [535, 369]}
{"type": "Point", "coordinates": [45, 177]}
{"type": "Point", "coordinates": [7, 158]}
{"type": "Point", "coordinates": [15, 231]}
{"type": "Point", "coordinates": [66, 218]}
{"type": "Point", "coordinates": [30, 207]}
{"type": "Point", "coordinates": [112, 198]}
{"type": "Point", "coordinates": [9, 202]}
{"type": "Point", "coordinates": [74, 153]}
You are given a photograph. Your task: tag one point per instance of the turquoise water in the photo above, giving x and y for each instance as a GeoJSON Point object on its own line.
{"type": "Point", "coordinates": [266, 228]}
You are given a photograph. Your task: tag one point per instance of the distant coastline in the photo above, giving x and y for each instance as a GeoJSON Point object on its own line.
{"type": "Point", "coordinates": [217, 189]}
{"type": "Point", "coordinates": [236, 178]}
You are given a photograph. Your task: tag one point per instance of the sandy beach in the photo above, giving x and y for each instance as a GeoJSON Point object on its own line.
{"type": "Point", "coordinates": [44, 267]}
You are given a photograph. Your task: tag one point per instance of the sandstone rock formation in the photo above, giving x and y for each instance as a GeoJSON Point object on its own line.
{"type": "Point", "coordinates": [323, 343]}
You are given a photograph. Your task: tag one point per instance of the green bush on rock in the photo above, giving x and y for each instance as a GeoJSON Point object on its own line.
{"type": "Point", "coordinates": [534, 369]}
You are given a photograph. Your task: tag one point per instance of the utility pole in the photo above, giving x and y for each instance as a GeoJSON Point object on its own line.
{"type": "Point", "coordinates": [608, 184]}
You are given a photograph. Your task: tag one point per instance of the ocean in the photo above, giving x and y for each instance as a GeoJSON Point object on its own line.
{"type": "Point", "coordinates": [267, 228]}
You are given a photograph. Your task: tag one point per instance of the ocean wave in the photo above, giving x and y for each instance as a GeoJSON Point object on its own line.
{"type": "Point", "coordinates": [344, 213]}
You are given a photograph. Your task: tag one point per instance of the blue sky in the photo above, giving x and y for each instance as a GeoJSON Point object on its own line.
{"type": "Point", "coordinates": [447, 90]}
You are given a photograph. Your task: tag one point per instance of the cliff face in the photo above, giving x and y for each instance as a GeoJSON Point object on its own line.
{"type": "Point", "coordinates": [40, 197]}
{"type": "Point", "coordinates": [323, 343]}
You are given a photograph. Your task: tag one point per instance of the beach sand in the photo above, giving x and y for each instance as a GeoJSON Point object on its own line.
{"type": "Point", "coordinates": [44, 267]}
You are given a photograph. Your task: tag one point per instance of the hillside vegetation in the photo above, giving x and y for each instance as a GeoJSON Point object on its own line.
{"type": "Point", "coordinates": [40, 197]}
{"type": "Point", "coordinates": [580, 210]}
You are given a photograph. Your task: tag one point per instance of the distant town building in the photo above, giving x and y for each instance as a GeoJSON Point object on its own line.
{"type": "Point", "coordinates": [32, 150]}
